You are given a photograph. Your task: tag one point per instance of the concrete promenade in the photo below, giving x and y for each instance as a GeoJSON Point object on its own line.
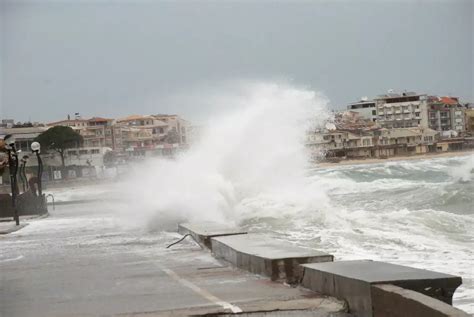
{"type": "Point", "coordinates": [81, 262]}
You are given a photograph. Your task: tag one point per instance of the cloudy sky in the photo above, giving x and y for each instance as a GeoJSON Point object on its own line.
{"type": "Point", "coordinates": [113, 58]}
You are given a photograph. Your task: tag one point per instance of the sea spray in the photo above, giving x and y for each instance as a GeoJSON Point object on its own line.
{"type": "Point", "coordinates": [465, 171]}
{"type": "Point", "coordinates": [249, 162]}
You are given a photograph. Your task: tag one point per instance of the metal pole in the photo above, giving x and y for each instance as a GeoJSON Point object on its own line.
{"type": "Point", "coordinates": [40, 174]}
{"type": "Point", "coordinates": [13, 163]}
{"type": "Point", "coordinates": [23, 175]}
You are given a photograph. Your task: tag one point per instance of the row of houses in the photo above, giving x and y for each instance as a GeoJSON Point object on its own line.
{"type": "Point", "coordinates": [136, 135]}
{"type": "Point", "coordinates": [128, 139]}
{"type": "Point", "coordinates": [396, 124]}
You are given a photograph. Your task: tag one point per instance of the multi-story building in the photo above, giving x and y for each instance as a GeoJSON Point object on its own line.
{"type": "Point", "coordinates": [373, 143]}
{"type": "Point", "coordinates": [24, 136]}
{"type": "Point", "coordinates": [365, 108]}
{"type": "Point", "coordinates": [446, 114]}
{"type": "Point", "coordinates": [142, 133]}
{"type": "Point", "coordinates": [177, 125]}
{"type": "Point", "coordinates": [406, 110]}
{"type": "Point", "coordinates": [96, 131]}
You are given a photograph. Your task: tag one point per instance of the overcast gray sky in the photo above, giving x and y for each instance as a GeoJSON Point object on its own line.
{"type": "Point", "coordinates": [113, 58]}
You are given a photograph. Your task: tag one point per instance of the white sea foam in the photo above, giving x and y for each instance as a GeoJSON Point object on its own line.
{"type": "Point", "coordinates": [465, 171]}
{"type": "Point", "coordinates": [253, 153]}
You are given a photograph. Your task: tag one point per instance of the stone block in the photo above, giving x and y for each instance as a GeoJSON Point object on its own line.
{"type": "Point", "coordinates": [353, 280]}
{"type": "Point", "coordinates": [260, 254]}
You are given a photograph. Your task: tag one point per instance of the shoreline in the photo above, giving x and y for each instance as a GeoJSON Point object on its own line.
{"type": "Point", "coordinates": [396, 158]}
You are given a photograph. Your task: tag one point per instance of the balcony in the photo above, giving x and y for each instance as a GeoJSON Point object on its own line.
{"type": "Point", "coordinates": [398, 111]}
{"type": "Point", "coordinates": [406, 111]}
{"type": "Point", "coordinates": [389, 112]}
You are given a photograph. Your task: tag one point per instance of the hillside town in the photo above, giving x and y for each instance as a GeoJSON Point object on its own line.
{"type": "Point", "coordinates": [392, 124]}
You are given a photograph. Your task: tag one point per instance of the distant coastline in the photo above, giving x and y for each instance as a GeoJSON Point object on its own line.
{"type": "Point", "coordinates": [395, 158]}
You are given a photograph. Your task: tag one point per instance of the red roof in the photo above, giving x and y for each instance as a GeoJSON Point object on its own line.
{"type": "Point", "coordinates": [449, 100]}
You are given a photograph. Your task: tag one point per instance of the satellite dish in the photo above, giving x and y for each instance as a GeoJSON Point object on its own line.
{"type": "Point", "coordinates": [365, 98]}
{"type": "Point", "coordinates": [330, 126]}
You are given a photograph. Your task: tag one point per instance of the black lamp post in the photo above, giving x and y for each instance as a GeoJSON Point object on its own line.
{"type": "Point", "coordinates": [24, 180]}
{"type": "Point", "coordinates": [13, 163]}
{"type": "Point", "coordinates": [36, 147]}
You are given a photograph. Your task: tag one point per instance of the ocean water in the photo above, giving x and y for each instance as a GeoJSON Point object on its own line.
{"type": "Point", "coordinates": [251, 168]}
{"type": "Point", "coordinates": [418, 213]}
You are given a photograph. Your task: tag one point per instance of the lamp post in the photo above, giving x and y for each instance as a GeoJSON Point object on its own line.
{"type": "Point", "coordinates": [24, 180]}
{"type": "Point", "coordinates": [13, 163]}
{"type": "Point", "coordinates": [36, 147]}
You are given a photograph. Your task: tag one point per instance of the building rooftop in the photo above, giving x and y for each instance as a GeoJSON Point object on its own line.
{"type": "Point", "coordinates": [134, 117]}
{"type": "Point", "coordinates": [99, 119]}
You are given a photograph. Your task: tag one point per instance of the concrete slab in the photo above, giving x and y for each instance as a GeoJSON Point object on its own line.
{"type": "Point", "coordinates": [387, 301]}
{"type": "Point", "coordinates": [202, 232]}
{"type": "Point", "coordinates": [352, 280]}
{"type": "Point", "coordinates": [260, 254]}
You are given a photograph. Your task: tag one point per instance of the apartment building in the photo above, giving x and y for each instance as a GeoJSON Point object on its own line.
{"type": "Point", "coordinates": [405, 110]}
{"type": "Point", "coordinates": [341, 143]}
{"type": "Point", "coordinates": [373, 143]}
{"type": "Point", "coordinates": [365, 108]}
{"type": "Point", "coordinates": [96, 131]}
{"type": "Point", "coordinates": [141, 133]}
{"type": "Point", "coordinates": [177, 125]}
{"type": "Point", "coordinates": [446, 114]}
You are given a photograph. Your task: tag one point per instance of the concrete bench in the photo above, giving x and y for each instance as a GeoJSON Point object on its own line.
{"type": "Point", "coordinates": [202, 232]}
{"type": "Point", "coordinates": [260, 254]}
{"type": "Point", "coordinates": [353, 281]}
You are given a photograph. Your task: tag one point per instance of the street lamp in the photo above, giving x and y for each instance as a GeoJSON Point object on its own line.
{"type": "Point", "coordinates": [36, 148]}
{"type": "Point", "coordinates": [24, 160]}
{"type": "Point", "coordinates": [13, 163]}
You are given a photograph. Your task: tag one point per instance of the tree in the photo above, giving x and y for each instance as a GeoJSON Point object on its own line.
{"type": "Point", "coordinates": [58, 139]}
{"type": "Point", "coordinates": [110, 158]}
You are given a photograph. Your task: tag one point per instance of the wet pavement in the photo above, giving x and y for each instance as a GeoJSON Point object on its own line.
{"type": "Point", "coordinates": [81, 261]}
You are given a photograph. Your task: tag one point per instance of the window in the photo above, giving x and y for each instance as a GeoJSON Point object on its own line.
{"type": "Point", "coordinates": [82, 151]}
{"type": "Point", "coordinates": [373, 112]}
{"type": "Point", "coordinates": [95, 151]}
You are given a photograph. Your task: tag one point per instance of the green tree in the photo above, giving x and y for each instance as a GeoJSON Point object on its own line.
{"type": "Point", "coordinates": [59, 139]}
{"type": "Point", "coordinates": [110, 158]}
